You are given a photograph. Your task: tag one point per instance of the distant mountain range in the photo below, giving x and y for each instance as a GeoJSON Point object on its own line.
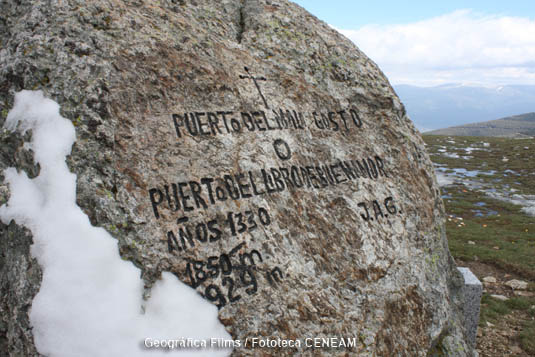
{"type": "Point", "coordinates": [518, 126]}
{"type": "Point", "coordinates": [453, 105]}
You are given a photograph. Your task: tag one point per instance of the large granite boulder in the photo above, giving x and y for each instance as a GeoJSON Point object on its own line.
{"type": "Point", "coordinates": [249, 149]}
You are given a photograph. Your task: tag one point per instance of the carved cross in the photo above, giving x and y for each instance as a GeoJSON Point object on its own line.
{"type": "Point", "coordinates": [255, 79]}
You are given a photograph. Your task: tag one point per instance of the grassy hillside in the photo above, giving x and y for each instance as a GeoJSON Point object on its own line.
{"type": "Point", "coordinates": [488, 188]}
{"type": "Point", "coordinates": [514, 126]}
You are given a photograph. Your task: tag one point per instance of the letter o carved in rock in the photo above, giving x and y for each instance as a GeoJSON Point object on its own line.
{"type": "Point", "coordinates": [282, 149]}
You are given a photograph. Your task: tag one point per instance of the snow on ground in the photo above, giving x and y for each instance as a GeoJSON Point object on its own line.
{"type": "Point", "coordinates": [451, 155]}
{"type": "Point", "coordinates": [90, 301]}
{"type": "Point", "coordinates": [530, 211]}
{"type": "Point", "coordinates": [460, 173]}
{"type": "Point", "coordinates": [446, 177]}
{"type": "Point", "coordinates": [527, 201]}
{"type": "Point", "coordinates": [511, 172]}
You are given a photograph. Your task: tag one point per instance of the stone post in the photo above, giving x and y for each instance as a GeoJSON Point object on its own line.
{"type": "Point", "coordinates": [472, 291]}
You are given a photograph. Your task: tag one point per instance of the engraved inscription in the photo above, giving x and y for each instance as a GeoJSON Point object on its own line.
{"type": "Point", "coordinates": [242, 271]}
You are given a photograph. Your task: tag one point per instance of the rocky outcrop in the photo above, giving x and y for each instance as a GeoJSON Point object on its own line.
{"type": "Point", "coordinates": [251, 150]}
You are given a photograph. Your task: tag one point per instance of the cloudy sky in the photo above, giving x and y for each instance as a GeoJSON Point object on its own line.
{"type": "Point", "coordinates": [426, 43]}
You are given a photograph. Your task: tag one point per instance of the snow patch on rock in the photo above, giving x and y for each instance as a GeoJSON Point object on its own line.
{"type": "Point", "coordinates": [90, 301]}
